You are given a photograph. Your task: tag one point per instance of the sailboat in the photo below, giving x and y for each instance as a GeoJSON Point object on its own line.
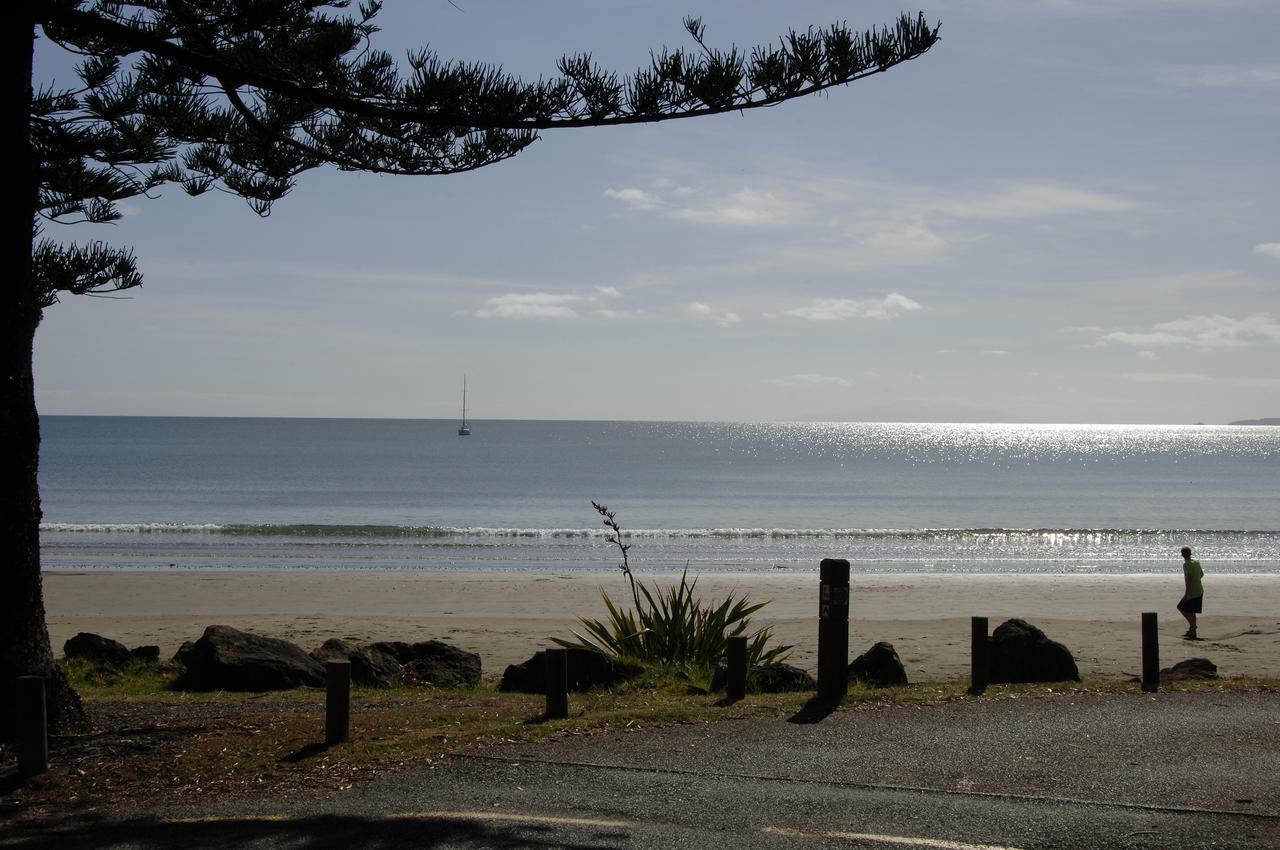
{"type": "Point", "coordinates": [464, 430]}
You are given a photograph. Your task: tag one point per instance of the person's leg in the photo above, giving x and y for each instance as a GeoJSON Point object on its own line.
{"type": "Point", "coordinates": [1189, 615]}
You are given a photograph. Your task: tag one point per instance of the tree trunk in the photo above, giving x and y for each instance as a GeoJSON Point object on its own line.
{"type": "Point", "coordinates": [24, 638]}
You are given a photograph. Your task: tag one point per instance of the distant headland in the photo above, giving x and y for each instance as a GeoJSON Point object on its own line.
{"type": "Point", "coordinates": [1269, 421]}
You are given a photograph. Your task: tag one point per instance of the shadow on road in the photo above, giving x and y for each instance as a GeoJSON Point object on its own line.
{"type": "Point", "coordinates": [309, 832]}
{"type": "Point", "coordinates": [815, 710]}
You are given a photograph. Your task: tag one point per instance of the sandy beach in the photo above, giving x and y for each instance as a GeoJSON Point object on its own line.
{"type": "Point", "coordinates": [506, 616]}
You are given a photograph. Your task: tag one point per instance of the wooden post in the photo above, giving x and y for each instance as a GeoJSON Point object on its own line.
{"type": "Point", "coordinates": [1150, 653]}
{"type": "Point", "coordinates": [557, 683]}
{"type": "Point", "coordinates": [735, 687]}
{"type": "Point", "coordinates": [833, 628]}
{"type": "Point", "coordinates": [337, 702]}
{"type": "Point", "coordinates": [979, 652]}
{"type": "Point", "coordinates": [32, 726]}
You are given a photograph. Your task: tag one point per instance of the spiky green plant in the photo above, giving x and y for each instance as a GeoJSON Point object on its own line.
{"type": "Point", "coordinates": [671, 626]}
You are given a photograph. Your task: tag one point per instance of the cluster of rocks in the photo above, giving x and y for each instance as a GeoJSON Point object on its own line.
{"type": "Point", "coordinates": [225, 658]}
{"type": "Point", "coordinates": [97, 649]}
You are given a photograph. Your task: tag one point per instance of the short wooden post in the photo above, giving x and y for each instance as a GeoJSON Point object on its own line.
{"type": "Point", "coordinates": [979, 653]}
{"type": "Point", "coordinates": [337, 702]}
{"type": "Point", "coordinates": [557, 683]}
{"type": "Point", "coordinates": [1150, 653]}
{"type": "Point", "coordinates": [735, 687]}
{"type": "Point", "coordinates": [833, 628]}
{"type": "Point", "coordinates": [32, 726]}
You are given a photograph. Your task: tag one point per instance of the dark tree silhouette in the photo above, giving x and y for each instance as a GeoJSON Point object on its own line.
{"type": "Point", "coordinates": [243, 96]}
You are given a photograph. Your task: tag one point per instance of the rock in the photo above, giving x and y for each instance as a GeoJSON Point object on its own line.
{"type": "Point", "coordinates": [432, 662]}
{"type": "Point", "coordinates": [1019, 652]}
{"type": "Point", "coordinates": [182, 650]}
{"type": "Point", "coordinates": [149, 654]}
{"type": "Point", "coordinates": [229, 659]}
{"type": "Point", "coordinates": [1191, 668]}
{"type": "Point", "coordinates": [776, 678]}
{"type": "Point", "coordinates": [98, 649]}
{"type": "Point", "coordinates": [369, 666]}
{"type": "Point", "coordinates": [765, 678]}
{"type": "Point", "coordinates": [588, 668]}
{"type": "Point", "coordinates": [878, 667]}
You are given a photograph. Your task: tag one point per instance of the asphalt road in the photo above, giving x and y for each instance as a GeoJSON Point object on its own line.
{"type": "Point", "coordinates": [1068, 771]}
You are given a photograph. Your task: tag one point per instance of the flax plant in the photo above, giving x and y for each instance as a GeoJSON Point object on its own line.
{"type": "Point", "coordinates": [672, 627]}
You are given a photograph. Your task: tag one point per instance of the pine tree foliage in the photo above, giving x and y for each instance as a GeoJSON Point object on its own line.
{"type": "Point", "coordinates": [243, 96]}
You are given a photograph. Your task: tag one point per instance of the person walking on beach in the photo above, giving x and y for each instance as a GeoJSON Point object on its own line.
{"type": "Point", "coordinates": [1193, 596]}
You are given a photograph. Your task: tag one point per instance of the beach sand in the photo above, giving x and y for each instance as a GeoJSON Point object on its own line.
{"type": "Point", "coordinates": [506, 616]}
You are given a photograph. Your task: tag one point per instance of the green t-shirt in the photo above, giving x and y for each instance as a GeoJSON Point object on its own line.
{"type": "Point", "coordinates": [1193, 572]}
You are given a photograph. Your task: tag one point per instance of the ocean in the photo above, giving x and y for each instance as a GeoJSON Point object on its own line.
{"type": "Point", "coordinates": [142, 493]}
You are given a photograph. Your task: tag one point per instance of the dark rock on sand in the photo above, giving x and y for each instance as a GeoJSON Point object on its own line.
{"type": "Point", "coordinates": [1019, 652]}
{"type": "Point", "coordinates": [98, 649]}
{"type": "Point", "coordinates": [148, 654]}
{"type": "Point", "coordinates": [229, 659]}
{"type": "Point", "coordinates": [369, 666]}
{"type": "Point", "coordinates": [878, 667]}
{"type": "Point", "coordinates": [587, 669]}
{"type": "Point", "coordinates": [765, 678]}
{"type": "Point", "coordinates": [1191, 668]}
{"type": "Point", "coordinates": [432, 662]}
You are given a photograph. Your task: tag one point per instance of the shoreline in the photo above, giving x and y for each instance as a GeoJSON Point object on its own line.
{"type": "Point", "coordinates": [507, 615]}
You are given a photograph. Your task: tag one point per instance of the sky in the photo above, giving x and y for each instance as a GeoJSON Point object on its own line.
{"type": "Point", "coordinates": [1063, 212]}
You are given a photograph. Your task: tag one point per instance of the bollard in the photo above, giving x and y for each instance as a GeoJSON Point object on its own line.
{"type": "Point", "coordinates": [32, 726]}
{"type": "Point", "coordinates": [337, 702]}
{"type": "Point", "coordinates": [735, 687]}
{"type": "Point", "coordinates": [1150, 653]}
{"type": "Point", "coordinates": [979, 652]}
{"type": "Point", "coordinates": [557, 683]}
{"type": "Point", "coordinates": [833, 628]}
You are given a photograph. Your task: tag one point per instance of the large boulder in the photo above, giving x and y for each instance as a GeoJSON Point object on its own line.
{"type": "Point", "coordinates": [1191, 668]}
{"type": "Point", "coordinates": [368, 666]}
{"type": "Point", "coordinates": [1019, 652]}
{"type": "Point", "coordinates": [765, 678]}
{"type": "Point", "coordinates": [98, 649]}
{"type": "Point", "coordinates": [431, 662]}
{"type": "Point", "coordinates": [231, 660]}
{"type": "Point", "coordinates": [878, 667]}
{"type": "Point", "coordinates": [588, 668]}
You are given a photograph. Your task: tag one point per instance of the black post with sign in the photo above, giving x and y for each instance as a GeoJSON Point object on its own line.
{"type": "Point", "coordinates": [833, 628]}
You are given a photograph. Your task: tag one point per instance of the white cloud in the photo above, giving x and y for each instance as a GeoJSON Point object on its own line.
{"type": "Point", "coordinates": [721, 320]}
{"type": "Point", "coordinates": [537, 305]}
{"type": "Point", "coordinates": [993, 352]}
{"type": "Point", "coordinates": [839, 309]}
{"type": "Point", "coordinates": [609, 291]}
{"type": "Point", "coordinates": [1032, 200]}
{"type": "Point", "coordinates": [1230, 77]}
{"type": "Point", "coordinates": [809, 380]}
{"type": "Point", "coordinates": [1146, 355]}
{"type": "Point", "coordinates": [1207, 332]}
{"type": "Point", "coordinates": [1269, 249]}
{"type": "Point", "coordinates": [743, 208]}
{"type": "Point", "coordinates": [635, 198]}
{"type": "Point", "coordinates": [1165, 377]}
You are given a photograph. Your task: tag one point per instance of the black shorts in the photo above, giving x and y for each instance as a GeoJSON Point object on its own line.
{"type": "Point", "coordinates": [1191, 606]}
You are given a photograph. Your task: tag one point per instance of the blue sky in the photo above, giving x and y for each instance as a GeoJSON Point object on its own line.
{"type": "Point", "coordinates": [1064, 212]}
